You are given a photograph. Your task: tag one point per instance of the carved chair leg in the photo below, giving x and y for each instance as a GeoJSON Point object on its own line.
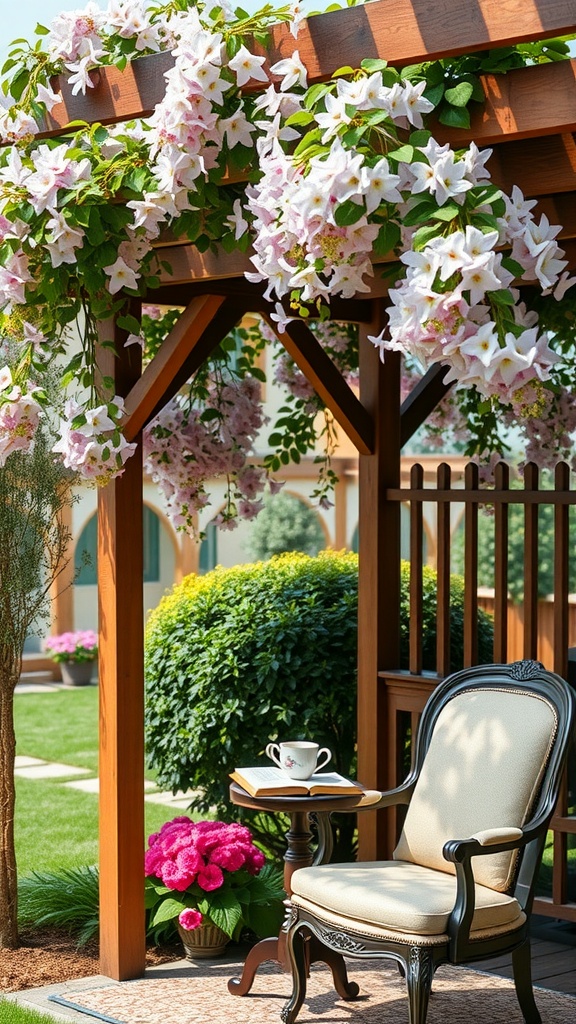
{"type": "Point", "coordinates": [522, 967]}
{"type": "Point", "coordinates": [319, 953]}
{"type": "Point", "coordinates": [419, 974]}
{"type": "Point", "coordinates": [298, 962]}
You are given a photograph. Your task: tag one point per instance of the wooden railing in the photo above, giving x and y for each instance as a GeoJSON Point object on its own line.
{"type": "Point", "coordinates": [538, 629]}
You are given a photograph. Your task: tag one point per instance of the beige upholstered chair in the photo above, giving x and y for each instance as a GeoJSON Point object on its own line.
{"type": "Point", "coordinates": [489, 755]}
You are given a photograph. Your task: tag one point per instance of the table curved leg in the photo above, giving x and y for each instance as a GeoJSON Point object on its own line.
{"type": "Point", "coordinates": [267, 949]}
{"type": "Point", "coordinates": [319, 953]}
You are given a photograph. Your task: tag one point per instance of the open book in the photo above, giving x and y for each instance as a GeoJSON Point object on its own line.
{"type": "Point", "coordinates": [268, 781]}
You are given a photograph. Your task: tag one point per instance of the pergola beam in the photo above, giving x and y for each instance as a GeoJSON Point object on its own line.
{"type": "Point", "coordinates": [399, 31]}
{"type": "Point", "coordinates": [152, 388]}
{"type": "Point", "coordinates": [527, 102]}
{"type": "Point", "coordinates": [422, 400]}
{"type": "Point", "coordinates": [328, 383]}
{"type": "Point", "coordinates": [538, 166]}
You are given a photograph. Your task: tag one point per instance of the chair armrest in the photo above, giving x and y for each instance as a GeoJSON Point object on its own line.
{"type": "Point", "coordinates": [490, 840]}
{"type": "Point", "coordinates": [460, 852]}
{"type": "Point", "coordinates": [375, 799]}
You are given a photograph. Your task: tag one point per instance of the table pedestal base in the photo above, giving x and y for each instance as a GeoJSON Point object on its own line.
{"type": "Point", "coordinates": [275, 949]}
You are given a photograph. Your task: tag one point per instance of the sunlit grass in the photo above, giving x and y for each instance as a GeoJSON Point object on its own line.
{"type": "Point", "coordinates": [56, 825]}
{"type": "Point", "coordinates": [12, 1013]}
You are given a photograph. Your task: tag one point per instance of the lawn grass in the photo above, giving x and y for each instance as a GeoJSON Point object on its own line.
{"type": "Point", "coordinates": [12, 1013]}
{"type": "Point", "coordinates": [56, 826]}
{"type": "Point", "coordinates": [61, 725]}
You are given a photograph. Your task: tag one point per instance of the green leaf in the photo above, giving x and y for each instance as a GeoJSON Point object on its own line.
{"type": "Point", "coordinates": [404, 154]}
{"type": "Point", "coordinates": [166, 911]}
{"type": "Point", "coordinates": [420, 213]}
{"type": "Point", "coordinates": [454, 117]}
{"type": "Point", "coordinates": [424, 235]}
{"type": "Point", "coordinates": [19, 83]}
{"type": "Point", "coordinates": [447, 212]}
{"type": "Point", "coordinates": [341, 72]}
{"type": "Point", "coordinates": [372, 64]}
{"type": "Point", "coordinates": [513, 266]}
{"type": "Point", "coordinates": [348, 213]}
{"type": "Point", "coordinates": [300, 117]}
{"type": "Point", "coordinates": [387, 239]}
{"type": "Point", "coordinates": [315, 92]}
{"type": "Point", "coordinates": [309, 139]}
{"type": "Point", "coordinates": [434, 93]}
{"type": "Point", "coordinates": [502, 297]}
{"type": "Point", "coordinates": [420, 138]}
{"type": "Point", "coordinates": [129, 323]}
{"type": "Point", "coordinates": [459, 95]}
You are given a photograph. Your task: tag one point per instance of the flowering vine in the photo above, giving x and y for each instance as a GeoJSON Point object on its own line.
{"type": "Point", "coordinates": [341, 177]}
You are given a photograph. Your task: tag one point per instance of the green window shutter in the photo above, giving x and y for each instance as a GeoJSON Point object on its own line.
{"type": "Point", "coordinates": [209, 550]}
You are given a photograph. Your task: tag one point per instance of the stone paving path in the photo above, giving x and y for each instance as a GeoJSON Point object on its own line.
{"type": "Point", "coordinates": [36, 768]}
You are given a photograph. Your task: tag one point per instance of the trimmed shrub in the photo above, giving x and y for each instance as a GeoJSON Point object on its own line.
{"type": "Point", "coordinates": [262, 652]}
{"type": "Point", "coordinates": [241, 656]}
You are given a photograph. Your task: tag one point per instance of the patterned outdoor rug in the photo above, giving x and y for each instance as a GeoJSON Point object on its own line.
{"type": "Point", "coordinates": [198, 995]}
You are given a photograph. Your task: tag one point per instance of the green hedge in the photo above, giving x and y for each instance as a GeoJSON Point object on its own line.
{"type": "Point", "coordinates": [264, 651]}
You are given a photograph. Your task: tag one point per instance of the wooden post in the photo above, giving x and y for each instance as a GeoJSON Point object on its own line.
{"type": "Point", "coordinates": [121, 674]}
{"type": "Point", "coordinates": [61, 591]}
{"type": "Point", "coordinates": [379, 576]}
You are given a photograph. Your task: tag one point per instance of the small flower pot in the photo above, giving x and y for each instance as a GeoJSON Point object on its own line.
{"type": "Point", "coordinates": [76, 673]}
{"type": "Point", "coordinates": [205, 941]}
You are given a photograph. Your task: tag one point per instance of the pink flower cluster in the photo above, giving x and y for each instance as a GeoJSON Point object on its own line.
{"type": "Point", "coordinates": [186, 852]}
{"type": "Point", "coordinates": [457, 325]}
{"type": "Point", "coordinates": [183, 448]}
{"type": "Point", "coordinates": [81, 645]}
{"type": "Point", "coordinates": [19, 416]}
{"type": "Point", "coordinates": [91, 442]}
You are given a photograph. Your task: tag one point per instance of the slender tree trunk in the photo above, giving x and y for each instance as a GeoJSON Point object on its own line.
{"type": "Point", "coordinates": [8, 878]}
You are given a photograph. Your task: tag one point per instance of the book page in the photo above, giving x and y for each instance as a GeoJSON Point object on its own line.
{"type": "Point", "coordinates": [268, 777]}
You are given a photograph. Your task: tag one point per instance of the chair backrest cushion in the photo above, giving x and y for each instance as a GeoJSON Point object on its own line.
{"type": "Point", "coordinates": [482, 770]}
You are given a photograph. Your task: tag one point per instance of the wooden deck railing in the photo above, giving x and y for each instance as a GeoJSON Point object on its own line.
{"type": "Point", "coordinates": [538, 629]}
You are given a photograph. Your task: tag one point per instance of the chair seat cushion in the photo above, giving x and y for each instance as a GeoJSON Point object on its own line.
{"type": "Point", "coordinates": [400, 896]}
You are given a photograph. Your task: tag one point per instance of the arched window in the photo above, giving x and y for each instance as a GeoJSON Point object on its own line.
{"type": "Point", "coordinates": [85, 555]}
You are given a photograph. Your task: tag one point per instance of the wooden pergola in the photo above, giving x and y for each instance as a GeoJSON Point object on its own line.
{"type": "Point", "coordinates": [529, 118]}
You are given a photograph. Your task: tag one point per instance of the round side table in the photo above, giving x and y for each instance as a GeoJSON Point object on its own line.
{"type": "Point", "coordinates": [298, 855]}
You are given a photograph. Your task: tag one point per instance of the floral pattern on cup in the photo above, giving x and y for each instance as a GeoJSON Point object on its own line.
{"type": "Point", "coordinates": [299, 759]}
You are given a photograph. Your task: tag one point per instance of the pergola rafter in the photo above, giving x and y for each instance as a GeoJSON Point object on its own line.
{"type": "Point", "coordinates": [529, 117]}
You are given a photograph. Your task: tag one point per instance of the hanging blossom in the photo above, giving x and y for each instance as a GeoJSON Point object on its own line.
{"type": "Point", "coordinates": [20, 413]}
{"type": "Point", "coordinates": [91, 443]}
{"type": "Point", "coordinates": [80, 251]}
{"type": "Point", "coordinates": [324, 211]}
{"type": "Point", "coordinates": [364, 182]}
{"type": "Point", "coordinates": [184, 447]}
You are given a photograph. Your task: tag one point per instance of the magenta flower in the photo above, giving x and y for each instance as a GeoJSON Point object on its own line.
{"type": "Point", "coordinates": [210, 878]}
{"type": "Point", "coordinates": [190, 919]}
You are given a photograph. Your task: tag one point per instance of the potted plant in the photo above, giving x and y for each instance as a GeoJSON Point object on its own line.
{"type": "Point", "coordinates": [210, 879]}
{"type": "Point", "coordinates": [75, 652]}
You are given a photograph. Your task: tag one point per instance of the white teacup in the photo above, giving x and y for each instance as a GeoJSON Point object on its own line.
{"type": "Point", "coordinates": [299, 759]}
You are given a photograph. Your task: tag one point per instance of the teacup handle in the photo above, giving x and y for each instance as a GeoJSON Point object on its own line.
{"type": "Point", "coordinates": [321, 764]}
{"type": "Point", "coordinates": [273, 752]}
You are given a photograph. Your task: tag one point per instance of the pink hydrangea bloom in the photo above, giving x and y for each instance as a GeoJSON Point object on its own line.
{"type": "Point", "coordinates": [190, 919]}
{"type": "Point", "coordinates": [186, 852]}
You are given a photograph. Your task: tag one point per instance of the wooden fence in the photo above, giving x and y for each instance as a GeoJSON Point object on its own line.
{"type": "Point", "coordinates": [537, 629]}
{"type": "Point", "coordinates": [545, 630]}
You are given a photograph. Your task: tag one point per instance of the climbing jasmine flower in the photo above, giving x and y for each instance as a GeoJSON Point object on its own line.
{"type": "Point", "coordinates": [246, 65]}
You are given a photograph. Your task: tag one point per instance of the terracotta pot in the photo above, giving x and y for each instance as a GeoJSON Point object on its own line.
{"type": "Point", "coordinates": [205, 941]}
{"type": "Point", "coordinates": [76, 673]}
